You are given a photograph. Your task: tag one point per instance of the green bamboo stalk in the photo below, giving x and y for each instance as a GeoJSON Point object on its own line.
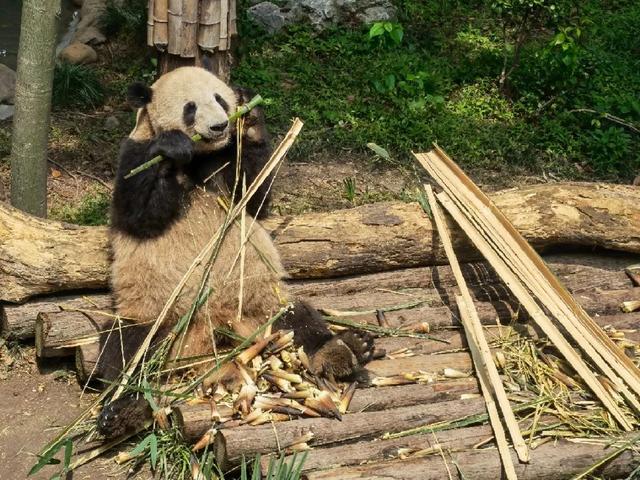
{"type": "Point", "coordinates": [242, 110]}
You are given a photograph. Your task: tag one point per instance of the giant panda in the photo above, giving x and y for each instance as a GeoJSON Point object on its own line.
{"type": "Point", "coordinates": [162, 217]}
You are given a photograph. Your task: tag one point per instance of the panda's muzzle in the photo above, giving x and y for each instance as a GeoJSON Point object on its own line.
{"type": "Point", "coordinates": [215, 132]}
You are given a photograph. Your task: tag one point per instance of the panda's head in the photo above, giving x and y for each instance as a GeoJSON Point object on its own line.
{"type": "Point", "coordinates": [190, 99]}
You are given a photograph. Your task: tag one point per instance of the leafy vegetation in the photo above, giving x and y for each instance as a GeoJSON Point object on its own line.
{"type": "Point", "coordinates": [76, 85]}
{"type": "Point", "coordinates": [93, 209]}
{"type": "Point", "coordinates": [548, 86]}
{"type": "Point", "coordinates": [129, 18]}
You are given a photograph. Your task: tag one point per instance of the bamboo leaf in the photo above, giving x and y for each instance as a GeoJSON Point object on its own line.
{"type": "Point", "coordinates": [153, 450]}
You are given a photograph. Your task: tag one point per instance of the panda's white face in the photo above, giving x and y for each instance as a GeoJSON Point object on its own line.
{"type": "Point", "coordinates": [195, 101]}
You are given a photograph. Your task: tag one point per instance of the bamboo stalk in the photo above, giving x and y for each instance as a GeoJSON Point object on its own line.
{"type": "Point", "coordinates": [523, 260]}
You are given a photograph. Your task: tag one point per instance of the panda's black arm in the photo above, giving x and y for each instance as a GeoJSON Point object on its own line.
{"type": "Point", "coordinates": [145, 204]}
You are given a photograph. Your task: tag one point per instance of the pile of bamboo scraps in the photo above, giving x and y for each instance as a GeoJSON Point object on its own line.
{"type": "Point", "coordinates": [605, 369]}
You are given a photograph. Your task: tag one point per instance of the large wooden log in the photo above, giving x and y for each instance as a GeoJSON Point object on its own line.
{"type": "Point", "coordinates": [197, 418]}
{"type": "Point", "coordinates": [368, 451]}
{"type": "Point", "coordinates": [233, 443]}
{"type": "Point", "coordinates": [39, 256]}
{"type": "Point", "coordinates": [551, 461]}
{"type": "Point", "coordinates": [580, 273]}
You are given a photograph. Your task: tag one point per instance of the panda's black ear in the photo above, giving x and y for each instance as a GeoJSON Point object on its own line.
{"type": "Point", "coordinates": [138, 95]}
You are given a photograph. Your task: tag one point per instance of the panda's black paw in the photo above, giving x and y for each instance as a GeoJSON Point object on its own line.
{"type": "Point", "coordinates": [173, 145]}
{"type": "Point", "coordinates": [343, 355]}
{"type": "Point", "coordinates": [124, 415]}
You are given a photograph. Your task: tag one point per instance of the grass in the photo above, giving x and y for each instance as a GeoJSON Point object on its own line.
{"type": "Point", "coordinates": [440, 84]}
{"type": "Point", "coordinates": [76, 86]}
{"type": "Point", "coordinates": [93, 209]}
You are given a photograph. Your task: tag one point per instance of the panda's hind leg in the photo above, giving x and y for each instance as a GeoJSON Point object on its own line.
{"type": "Point", "coordinates": [338, 356]}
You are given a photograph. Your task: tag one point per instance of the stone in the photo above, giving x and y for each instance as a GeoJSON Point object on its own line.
{"type": "Point", "coordinates": [272, 16]}
{"type": "Point", "coordinates": [78, 54]}
{"type": "Point", "coordinates": [268, 15]}
{"type": "Point", "coordinates": [319, 13]}
{"type": "Point", "coordinates": [111, 123]}
{"type": "Point", "coordinates": [6, 112]}
{"type": "Point", "coordinates": [7, 84]}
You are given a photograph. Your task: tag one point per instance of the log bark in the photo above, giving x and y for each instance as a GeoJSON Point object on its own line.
{"type": "Point", "coordinates": [18, 322]}
{"type": "Point", "coordinates": [197, 418]}
{"type": "Point", "coordinates": [38, 257]}
{"type": "Point", "coordinates": [233, 443]}
{"type": "Point", "coordinates": [59, 333]}
{"type": "Point", "coordinates": [366, 452]}
{"type": "Point", "coordinates": [551, 461]}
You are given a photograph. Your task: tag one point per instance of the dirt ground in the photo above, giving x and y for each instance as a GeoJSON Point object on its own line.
{"type": "Point", "coordinates": [36, 402]}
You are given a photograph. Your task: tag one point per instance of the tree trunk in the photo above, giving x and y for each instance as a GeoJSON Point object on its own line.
{"type": "Point", "coordinates": [33, 103]}
{"type": "Point", "coordinates": [46, 257]}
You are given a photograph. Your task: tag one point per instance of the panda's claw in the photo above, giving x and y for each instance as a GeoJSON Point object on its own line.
{"type": "Point", "coordinates": [343, 355]}
{"type": "Point", "coordinates": [127, 414]}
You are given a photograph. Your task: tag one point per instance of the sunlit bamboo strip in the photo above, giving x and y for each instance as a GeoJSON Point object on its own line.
{"type": "Point", "coordinates": [466, 315]}
{"type": "Point", "coordinates": [160, 23]}
{"type": "Point", "coordinates": [526, 263]}
{"type": "Point", "coordinates": [150, 10]}
{"type": "Point", "coordinates": [189, 32]}
{"type": "Point", "coordinates": [480, 351]}
{"type": "Point", "coordinates": [174, 28]}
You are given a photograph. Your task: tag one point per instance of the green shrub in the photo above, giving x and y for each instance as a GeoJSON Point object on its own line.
{"type": "Point", "coordinates": [128, 17]}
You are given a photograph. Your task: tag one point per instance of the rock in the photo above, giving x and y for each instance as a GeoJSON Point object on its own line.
{"type": "Point", "coordinates": [78, 54]}
{"type": "Point", "coordinates": [111, 123]}
{"type": "Point", "coordinates": [268, 15]}
{"type": "Point", "coordinates": [6, 112]}
{"type": "Point", "coordinates": [87, 30]}
{"type": "Point", "coordinates": [376, 14]}
{"type": "Point", "coordinates": [272, 16]}
{"type": "Point", "coordinates": [7, 84]}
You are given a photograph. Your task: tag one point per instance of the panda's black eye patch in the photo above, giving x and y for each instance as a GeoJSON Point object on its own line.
{"type": "Point", "coordinates": [222, 102]}
{"type": "Point", "coordinates": [189, 113]}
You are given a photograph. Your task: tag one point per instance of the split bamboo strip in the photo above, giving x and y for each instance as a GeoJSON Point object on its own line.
{"type": "Point", "coordinates": [174, 16]}
{"type": "Point", "coordinates": [488, 375]}
{"type": "Point", "coordinates": [534, 310]}
{"type": "Point", "coordinates": [189, 32]}
{"type": "Point", "coordinates": [150, 10]}
{"type": "Point", "coordinates": [160, 23]}
{"type": "Point", "coordinates": [492, 410]}
{"type": "Point", "coordinates": [277, 156]}
{"type": "Point", "coordinates": [525, 263]}
{"type": "Point", "coordinates": [209, 28]}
